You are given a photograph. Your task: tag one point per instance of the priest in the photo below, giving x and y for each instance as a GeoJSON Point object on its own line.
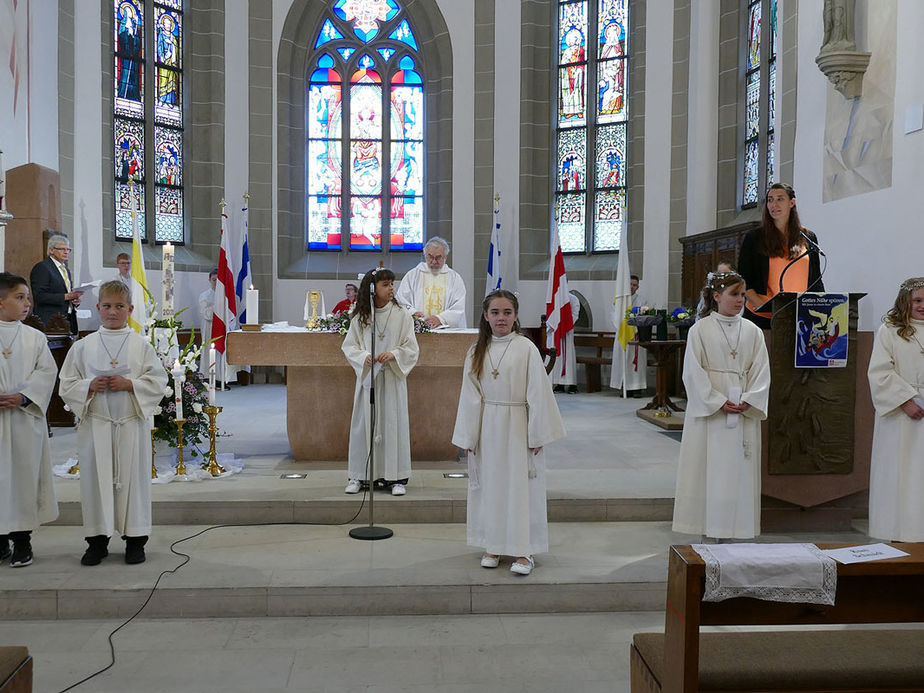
{"type": "Point", "coordinates": [432, 290]}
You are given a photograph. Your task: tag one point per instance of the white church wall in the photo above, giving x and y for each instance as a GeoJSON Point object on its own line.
{"type": "Point", "coordinates": [872, 239]}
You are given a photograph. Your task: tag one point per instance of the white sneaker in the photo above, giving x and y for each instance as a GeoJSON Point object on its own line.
{"type": "Point", "coordinates": [398, 489]}
{"type": "Point", "coordinates": [523, 568]}
{"type": "Point", "coordinates": [490, 561]}
{"type": "Point", "coordinates": [353, 487]}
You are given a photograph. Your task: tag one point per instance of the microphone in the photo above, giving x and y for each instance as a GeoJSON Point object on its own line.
{"type": "Point", "coordinates": [812, 243]}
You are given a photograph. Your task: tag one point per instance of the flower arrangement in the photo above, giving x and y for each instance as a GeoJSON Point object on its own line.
{"type": "Point", "coordinates": [340, 323]}
{"type": "Point", "coordinates": [643, 316]}
{"type": "Point", "coordinates": [163, 337]}
{"type": "Point", "coordinates": [421, 326]}
{"type": "Point", "coordinates": [681, 316]}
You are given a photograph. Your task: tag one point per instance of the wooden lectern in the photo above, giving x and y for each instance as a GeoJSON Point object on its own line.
{"type": "Point", "coordinates": [814, 425]}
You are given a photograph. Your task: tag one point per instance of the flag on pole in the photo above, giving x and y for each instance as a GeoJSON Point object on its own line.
{"type": "Point", "coordinates": [224, 308]}
{"type": "Point", "coordinates": [140, 292]}
{"type": "Point", "coordinates": [493, 282]}
{"type": "Point", "coordinates": [622, 301]}
{"type": "Point", "coordinates": [559, 320]}
{"type": "Point", "coordinates": [244, 278]}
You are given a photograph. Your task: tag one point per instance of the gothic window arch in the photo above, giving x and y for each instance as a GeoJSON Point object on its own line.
{"type": "Point", "coordinates": [364, 148]}
{"type": "Point", "coordinates": [758, 67]}
{"type": "Point", "coordinates": [148, 117]}
{"type": "Point", "coordinates": [592, 48]}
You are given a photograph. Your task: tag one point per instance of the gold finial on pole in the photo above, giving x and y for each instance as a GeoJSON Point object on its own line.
{"type": "Point", "coordinates": [222, 205]}
{"type": "Point", "coordinates": [496, 197]}
{"type": "Point", "coordinates": [246, 197]}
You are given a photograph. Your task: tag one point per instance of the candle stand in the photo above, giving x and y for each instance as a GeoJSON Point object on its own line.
{"type": "Point", "coordinates": [153, 468]}
{"type": "Point", "coordinates": [180, 466]}
{"type": "Point", "coordinates": [212, 466]}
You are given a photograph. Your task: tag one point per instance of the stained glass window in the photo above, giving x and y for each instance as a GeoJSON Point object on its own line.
{"type": "Point", "coordinates": [759, 69]}
{"type": "Point", "coordinates": [592, 44]}
{"type": "Point", "coordinates": [148, 122]}
{"type": "Point", "coordinates": [366, 103]}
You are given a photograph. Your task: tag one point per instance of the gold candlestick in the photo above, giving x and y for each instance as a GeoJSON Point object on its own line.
{"type": "Point", "coordinates": [75, 469]}
{"type": "Point", "coordinates": [153, 468]}
{"type": "Point", "coordinates": [180, 466]}
{"type": "Point", "coordinates": [212, 466]}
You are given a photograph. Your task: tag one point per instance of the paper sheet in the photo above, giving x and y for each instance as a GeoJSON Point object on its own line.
{"type": "Point", "coordinates": [862, 554]}
{"type": "Point", "coordinates": [373, 373]}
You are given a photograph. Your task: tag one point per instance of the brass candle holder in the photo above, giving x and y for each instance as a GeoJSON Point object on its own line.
{"type": "Point", "coordinates": [74, 470]}
{"type": "Point", "coordinates": [180, 466]}
{"type": "Point", "coordinates": [212, 466]}
{"type": "Point", "coordinates": [153, 468]}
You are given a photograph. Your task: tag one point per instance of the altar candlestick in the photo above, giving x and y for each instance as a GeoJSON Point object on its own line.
{"type": "Point", "coordinates": [253, 306]}
{"type": "Point", "coordinates": [179, 377]}
{"type": "Point", "coordinates": [167, 265]}
{"type": "Point", "coordinates": [212, 374]}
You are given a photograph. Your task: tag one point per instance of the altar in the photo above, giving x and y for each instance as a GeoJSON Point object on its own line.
{"type": "Point", "coordinates": [320, 385]}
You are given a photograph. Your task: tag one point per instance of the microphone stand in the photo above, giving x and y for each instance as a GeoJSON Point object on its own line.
{"type": "Point", "coordinates": [371, 532]}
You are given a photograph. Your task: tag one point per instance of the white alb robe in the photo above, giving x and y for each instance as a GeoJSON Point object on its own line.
{"type": "Point", "coordinates": [499, 420]}
{"type": "Point", "coordinates": [451, 300]}
{"type": "Point", "coordinates": [27, 494]}
{"type": "Point", "coordinates": [392, 451]}
{"type": "Point", "coordinates": [718, 478]}
{"type": "Point", "coordinates": [114, 430]}
{"type": "Point", "coordinates": [634, 358]}
{"type": "Point", "coordinates": [568, 360]}
{"type": "Point", "coordinates": [896, 487]}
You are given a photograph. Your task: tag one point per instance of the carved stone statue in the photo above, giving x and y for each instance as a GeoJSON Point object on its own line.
{"type": "Point", "coordinates": [839, 31]}
{"type": "Point", "coordinates": [839, 59]}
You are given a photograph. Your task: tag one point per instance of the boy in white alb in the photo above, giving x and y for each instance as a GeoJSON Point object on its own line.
{"type": "Point", "coordinates": [27, 378]}
{"type": "Point", "coordinates": [112, 380]}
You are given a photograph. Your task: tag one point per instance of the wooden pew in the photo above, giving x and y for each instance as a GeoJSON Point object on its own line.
{"type": "Point", "coordinates": [684, 661]}
{"type": "Point", "coordinates": [15, 670]}
{"type": "Point", "coordinates": [600, 341]}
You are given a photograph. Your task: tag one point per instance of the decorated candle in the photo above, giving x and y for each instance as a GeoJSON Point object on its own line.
{"type": "Point", "coordinates": [179, 377]}
{"type": "Point", "coordinates": [253, 306]}
{"type": "Point", "coordinates": [166, 308]}
{"type": "Point", "coordinates": [212, 374]}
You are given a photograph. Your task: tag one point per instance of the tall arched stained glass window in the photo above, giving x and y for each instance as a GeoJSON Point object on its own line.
{"type": "Point", "coordinates": [592, 116]}
{"type": "Point", "coordinates": [364, 127]}
{"type": "Point", "coordinates": [148, 120]}
{"type": "Point", "coordinates": [759, 69]}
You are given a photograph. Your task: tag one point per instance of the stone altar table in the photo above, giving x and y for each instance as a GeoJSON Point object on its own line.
{"type": "Point", "coordinates": [320, 385]}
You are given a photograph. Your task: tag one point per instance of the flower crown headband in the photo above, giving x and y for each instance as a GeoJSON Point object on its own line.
{"type": "Point", "coordinates": [714, 278]}
{"type": "Point", "coordinates": [912, 284]}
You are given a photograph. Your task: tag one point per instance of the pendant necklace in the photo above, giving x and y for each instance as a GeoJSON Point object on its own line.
{"type": "Point", "coordinates": [382, 333]}
{"type": "Point", "coordinates": [8, 350]}
{"type": "Point", "coordinates": [733, 350]}
{"type": "Point", "coordinates": [494, 371]}
{"type": "Point", "coordinates": [114, 360]}
{"type": "Point", "coordinates": [914, 335]}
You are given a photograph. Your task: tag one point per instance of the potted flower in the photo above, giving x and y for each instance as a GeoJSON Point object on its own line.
{"type": "Point", "coordinates": [682, 318]}
{"type": "Point", "coordinates": [643, 319]}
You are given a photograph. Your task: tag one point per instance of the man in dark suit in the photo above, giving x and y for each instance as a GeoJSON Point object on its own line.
{"type": "Point", "coordinates": [52, 290]}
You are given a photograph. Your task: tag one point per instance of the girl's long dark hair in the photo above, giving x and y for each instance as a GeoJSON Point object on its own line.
{"type": "Point", "coordinates": [363, 308]}
{"type": "Point", "coordinates": [900, 314]}
{"type": "Point", "coordinates": [771, 242]}
{"type": "Point", "coordinates": [484, 328]}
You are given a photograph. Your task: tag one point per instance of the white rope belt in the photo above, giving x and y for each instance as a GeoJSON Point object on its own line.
{"type": "Point", "coordinates": [504, 404]}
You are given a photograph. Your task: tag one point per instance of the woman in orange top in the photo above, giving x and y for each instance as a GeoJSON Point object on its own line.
{"type": "Point", "coordinates": [766, 251]}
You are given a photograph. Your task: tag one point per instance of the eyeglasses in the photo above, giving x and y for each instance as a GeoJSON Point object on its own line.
{"type": "Point", "coordinates": [62, 247]}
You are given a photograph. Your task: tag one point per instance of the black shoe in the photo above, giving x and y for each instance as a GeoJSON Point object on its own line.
{"type": "Point", "coordinates": [134, 550]}
{"type": "Point", "coordinates": [572, 389]}
{"type": "Point", "coordinates": [558, 388]}
{"type": "Point", "coordinates": [4, 547]}
{"type": "Point", "coordinates": [97, 550]}
{"type": "Point", "coordinates": [22, 551]}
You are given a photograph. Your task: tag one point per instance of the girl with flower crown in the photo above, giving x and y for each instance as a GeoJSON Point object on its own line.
{"type": "Point", "coordinates": [726, 372]}
{"type": "Point", "coordinates": [383, 429]}
{"type": "Point", "coordinates": [896, 381]}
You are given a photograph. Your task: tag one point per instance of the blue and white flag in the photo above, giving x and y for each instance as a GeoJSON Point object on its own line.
{"type": "Point", "coordinates": [493, 282]}
{"type": "Point", "coordinates": [244, 278]}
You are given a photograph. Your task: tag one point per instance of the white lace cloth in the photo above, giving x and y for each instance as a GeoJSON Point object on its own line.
{"type": "Point", "coordinates": [772, 572]}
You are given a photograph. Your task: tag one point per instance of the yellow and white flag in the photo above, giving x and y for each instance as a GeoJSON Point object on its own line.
{"type": "Point", "coordinates": [622, 302]}
{"type": "Point", "coordinates": [140, 293]}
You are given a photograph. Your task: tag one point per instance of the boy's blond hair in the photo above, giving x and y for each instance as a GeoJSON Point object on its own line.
{"type": "Point", "coordinates": [114, 288]}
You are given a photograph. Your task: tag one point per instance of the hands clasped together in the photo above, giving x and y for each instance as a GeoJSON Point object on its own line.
{"type": "Point", "coordinates": [116, 383]}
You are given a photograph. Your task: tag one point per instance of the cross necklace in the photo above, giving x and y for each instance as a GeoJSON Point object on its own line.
{"type": "Point", "coordinates": [494, 371]}
{"type": "Point", "coordinates": [382, 333]}
{"type": "Point", "coordinates": [733, 350]}
{"type": "Point", "coordinates": [8, 350]}
{"type": "Point", "coordinates": [114, 360]}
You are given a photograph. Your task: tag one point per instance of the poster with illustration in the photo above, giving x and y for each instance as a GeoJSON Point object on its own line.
{"type": "Point", "coordinates": [821, 330]}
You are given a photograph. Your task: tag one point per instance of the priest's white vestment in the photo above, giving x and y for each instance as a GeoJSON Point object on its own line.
{"type": "Point", "coordinates": [718, 477]}
{"type": "Point", "coordinates": [499, 420]}
{"type": "Point", "coordinates": [114, 430]}
{"type": "Point", "coordinates": [27, 494]}
{"type": "Point", "coordinates": [569, 358]}
{"type": "Point", "coordinates": [896, 486]}
{"type": "Point", "coordinates": [394, 332]}
{"type": "Point", "coordinates": [634, 357]}
{"type": "Point", "coordinates": [434, 293]}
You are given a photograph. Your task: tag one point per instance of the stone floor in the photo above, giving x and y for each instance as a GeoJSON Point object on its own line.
{"type": "Point", "coordinates": [305, 607]}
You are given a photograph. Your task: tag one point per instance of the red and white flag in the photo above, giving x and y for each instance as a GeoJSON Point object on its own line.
{"type": "Point", "coordinates": [559, 319]}
{"type": "Point", "coordinates": [225, 307]}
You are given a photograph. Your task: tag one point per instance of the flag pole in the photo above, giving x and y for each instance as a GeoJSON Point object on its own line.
{"type": "Point", "coordinates": [224, 312]}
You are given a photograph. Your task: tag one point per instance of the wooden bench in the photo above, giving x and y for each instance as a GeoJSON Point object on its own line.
{"type": "Point", "coordinates": [600, 341]}
{"type": "Point", "coordinates": [15, 670]}
{"type": "Point", "coordinates": [681, 660]}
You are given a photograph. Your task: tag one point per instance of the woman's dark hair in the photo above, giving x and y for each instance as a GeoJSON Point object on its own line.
{"type": "Point", "coordinates": [484, 328]}
{"type": "Point", "coordinates": [363, 309]}
{"type": "Point", "coordinates": [771, 242]}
